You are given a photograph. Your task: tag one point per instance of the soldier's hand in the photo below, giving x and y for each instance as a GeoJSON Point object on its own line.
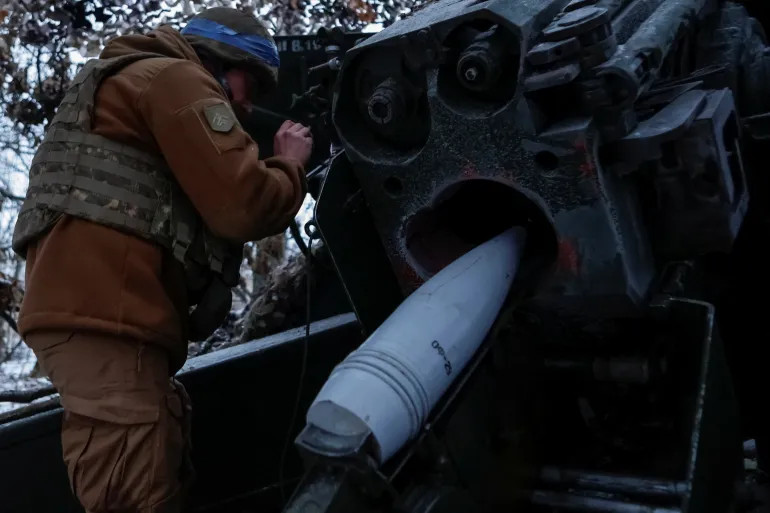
{"type": "Point", "coordinates": [293, 140]}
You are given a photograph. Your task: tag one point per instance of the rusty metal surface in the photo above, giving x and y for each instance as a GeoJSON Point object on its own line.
{"type": "Point", "coordinates": [540, 137]}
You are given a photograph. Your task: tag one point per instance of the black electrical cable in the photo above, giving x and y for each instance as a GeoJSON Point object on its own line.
{"type": "Point", "coordinates": [312, 234]}
{"type": "Point", "coordinates": [297, 236]}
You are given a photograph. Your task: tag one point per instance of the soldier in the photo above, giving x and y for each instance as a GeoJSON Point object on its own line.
{"type": "Point", "coordinates": [140, 199]}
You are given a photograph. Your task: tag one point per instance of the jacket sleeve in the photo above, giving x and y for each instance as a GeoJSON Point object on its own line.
{"type": "Point", "coordinates": [239, 196]}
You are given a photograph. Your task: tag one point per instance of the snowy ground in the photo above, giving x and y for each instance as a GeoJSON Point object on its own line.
{"type": "Point", "coordinates": [14, 376]}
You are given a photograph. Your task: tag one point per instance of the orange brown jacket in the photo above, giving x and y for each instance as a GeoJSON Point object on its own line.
{"type": "Point", "coordinates": [85, 277]}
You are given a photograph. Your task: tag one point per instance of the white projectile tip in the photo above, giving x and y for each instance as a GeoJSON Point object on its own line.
{"type": "Point", "coordinates": [392, 382]}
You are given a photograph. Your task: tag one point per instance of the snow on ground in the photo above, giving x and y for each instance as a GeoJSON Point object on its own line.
{"type": "Point", "coordinates": [14, 375]}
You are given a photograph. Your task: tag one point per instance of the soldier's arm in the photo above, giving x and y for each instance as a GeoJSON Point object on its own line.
{"type": "Point", "coordinates": [239, 196]}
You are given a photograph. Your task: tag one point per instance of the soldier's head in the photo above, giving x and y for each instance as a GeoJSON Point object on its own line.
{"type": "Point", "coordinates": [238, 50]}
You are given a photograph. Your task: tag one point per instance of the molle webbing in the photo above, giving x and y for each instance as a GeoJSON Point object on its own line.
{"type": "Point", "coordinates": [92, 177]}
{"type": "Point", "coordinates": [78, 173]}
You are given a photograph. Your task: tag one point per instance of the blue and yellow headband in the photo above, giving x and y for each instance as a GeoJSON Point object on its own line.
{"type": "Point", "coordinates": [258, 46]}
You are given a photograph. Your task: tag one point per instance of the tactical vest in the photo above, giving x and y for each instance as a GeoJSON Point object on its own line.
{"type": "Point", "coordinates": [81, 174]}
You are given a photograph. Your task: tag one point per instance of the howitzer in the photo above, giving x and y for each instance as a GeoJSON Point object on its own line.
{"type": "Point", "coordinates": [624, 136]}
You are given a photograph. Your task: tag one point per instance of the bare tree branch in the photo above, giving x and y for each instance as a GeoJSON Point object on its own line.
{"type": "Point", "coordinates": [6, 194]}
{"type": "Point", "coordinates": [7, 317]}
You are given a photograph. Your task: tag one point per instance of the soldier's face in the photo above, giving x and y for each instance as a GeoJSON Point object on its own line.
{"type": "Point", "coordinates": [243, 88]}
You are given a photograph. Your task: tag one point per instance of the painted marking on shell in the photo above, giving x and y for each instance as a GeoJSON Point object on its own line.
{"type": "Point", "coordinates": [440, 350]}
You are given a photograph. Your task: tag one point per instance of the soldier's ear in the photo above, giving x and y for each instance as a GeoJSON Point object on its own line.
{"type": "Point", "coordinates": [222, 79]}
{"type": "Point", "coordinates": [212, 65]}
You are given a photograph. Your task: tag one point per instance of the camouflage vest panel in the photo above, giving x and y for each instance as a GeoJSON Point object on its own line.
{"type": "Point", "coordinates": [88, 176]}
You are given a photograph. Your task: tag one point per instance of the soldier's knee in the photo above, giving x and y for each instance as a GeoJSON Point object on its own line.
{"type": "Point", "coordinates": [126, 467]}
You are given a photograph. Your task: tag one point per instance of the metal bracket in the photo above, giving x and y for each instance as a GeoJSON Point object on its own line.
{"type": "Point", "coordinates": [673, 121]}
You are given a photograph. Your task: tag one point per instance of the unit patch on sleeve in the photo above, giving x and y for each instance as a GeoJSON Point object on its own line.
{"type": "Point", "coordinates": [220, 117]}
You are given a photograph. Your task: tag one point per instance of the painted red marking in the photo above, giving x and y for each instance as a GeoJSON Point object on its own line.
{"type": "Point", "coordinates": [568, 256]}
{"type": "Point", "coordinates": [408, 276]}
{"type": "Point", "coordinates": [587, 169]}
{"type": "Point", "coordinates": [469, 170]}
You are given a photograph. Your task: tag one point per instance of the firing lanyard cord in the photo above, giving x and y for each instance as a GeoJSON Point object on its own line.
{"type": "Point", "coordinates": [311, 229]}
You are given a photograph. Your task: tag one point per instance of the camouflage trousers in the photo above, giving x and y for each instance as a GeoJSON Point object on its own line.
{"type": "Point", "coordinates": [126, 428]}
